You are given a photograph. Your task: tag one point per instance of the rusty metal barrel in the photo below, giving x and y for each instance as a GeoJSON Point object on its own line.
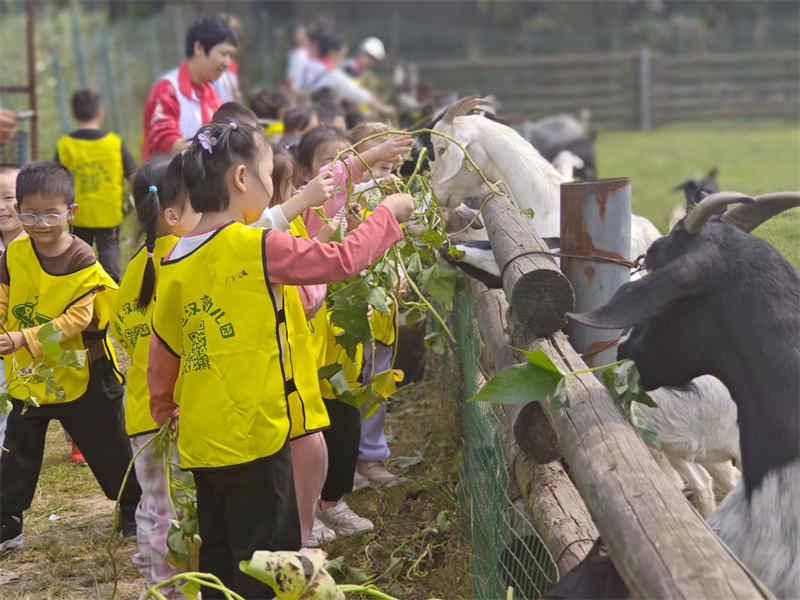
{"type": "Point", "coordinates": [595, 224]}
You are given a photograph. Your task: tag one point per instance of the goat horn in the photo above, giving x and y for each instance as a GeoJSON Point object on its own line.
{"type": "Point", "coordinates": [710, 206]}
{"type": "Point", "coordinates": [748, 217]}
{"type": "Point", "coordinates": [463, 107]}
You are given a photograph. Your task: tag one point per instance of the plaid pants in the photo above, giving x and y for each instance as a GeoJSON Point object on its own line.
{"type": "Point", "coordinates": [153, 515]}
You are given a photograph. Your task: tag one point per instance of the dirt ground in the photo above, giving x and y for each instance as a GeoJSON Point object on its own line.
{"type": "Point", "coordinates": [414, 553]}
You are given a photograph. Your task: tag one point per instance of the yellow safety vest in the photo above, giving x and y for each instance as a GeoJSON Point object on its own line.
{"type": "Point", "coordinates": [131, 326]}
{"type": "Point", "coordinates": [337, 354]}
{"type": "Point", "coordinates": [216, 311]}
{"type": "Point", "coordinates": [307, 410]}
{"type": "Point", "coordinates": [97, 168]}
{"type": "Point", "coordinates": [274, 131]}
{"type": "Point", "coordinates": [383, 326]}
{"type": "Point", "coordinates": [36, 297]}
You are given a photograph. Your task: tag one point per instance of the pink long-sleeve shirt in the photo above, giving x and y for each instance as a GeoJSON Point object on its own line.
{"type": "Point", "coordinates": [340, 174]}
{"type": "Point", "coordinates": [321, 263]}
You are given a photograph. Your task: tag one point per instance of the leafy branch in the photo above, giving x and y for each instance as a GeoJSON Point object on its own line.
{"type": "Point", "coordinates": [540, 380]}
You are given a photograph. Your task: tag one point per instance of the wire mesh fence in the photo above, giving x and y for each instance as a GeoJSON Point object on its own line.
{"type": "Point", "coordinates": [507, 550]}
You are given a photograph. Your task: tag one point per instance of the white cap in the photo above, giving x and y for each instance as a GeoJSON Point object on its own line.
{"type": "Point", "coordinates": [373, 47]}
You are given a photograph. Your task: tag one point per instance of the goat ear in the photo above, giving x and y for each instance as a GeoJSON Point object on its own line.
{"type": "Point", "coordinates": [645, 298]}
{"type": "Point", "coordinates": [452, 159]}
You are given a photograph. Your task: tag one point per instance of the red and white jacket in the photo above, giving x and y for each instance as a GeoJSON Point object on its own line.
{"type": "Point", "coordinates": [176, 108]}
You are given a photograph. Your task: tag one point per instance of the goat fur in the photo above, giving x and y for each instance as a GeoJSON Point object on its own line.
{"type": "Point", "coordinates": [722, 301]}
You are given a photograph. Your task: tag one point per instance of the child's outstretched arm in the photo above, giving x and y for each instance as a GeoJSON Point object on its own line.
{"type": "Point", "coordinates": [71, 323]}
{"type": "Point", "coordinates": [328, 262]}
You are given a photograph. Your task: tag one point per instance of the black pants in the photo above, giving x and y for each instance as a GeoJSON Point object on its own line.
{"type": "Point", "coordinates": [107, 240]}
{"type": "Point", "coordinates": [95, 421]}
{"type": "Point", "coordinates": [243, 509]}
{"type": "Point", "coordinates": [342, 438]}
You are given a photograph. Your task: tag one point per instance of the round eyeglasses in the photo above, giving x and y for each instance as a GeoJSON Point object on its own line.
{"type": "Point", "coordinates": [48, 220]}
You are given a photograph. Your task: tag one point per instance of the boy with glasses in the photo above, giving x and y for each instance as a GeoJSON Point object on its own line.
{"type": "Point", "coordinates": [52, 276]}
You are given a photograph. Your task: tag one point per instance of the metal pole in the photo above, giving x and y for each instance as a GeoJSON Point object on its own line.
{"type": "Point", "coordinates": [31, 35]}
{"type": "Point", "coordinates": [62, 99]}
{"type": "Point", "coordinates": [645, 107]}
{"type": "Point", "coordinates": [109, 80]}
{"type": "Point", "coordinates": [595, 220]}
{"type": "Point", "coordinates": [77, 41]}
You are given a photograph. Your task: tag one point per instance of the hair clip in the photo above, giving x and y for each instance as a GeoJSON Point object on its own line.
{"type": "Point", "coordinates": [206, 141]}
{"type": "Point", "coordinates": [149, 254]}
{"type": "Point", "coordinates": [153, 189]}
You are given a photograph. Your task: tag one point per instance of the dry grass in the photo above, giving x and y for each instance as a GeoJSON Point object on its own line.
{"type": "Point", "coordinates": [66, 558]}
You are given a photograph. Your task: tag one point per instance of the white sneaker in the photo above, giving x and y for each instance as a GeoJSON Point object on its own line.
{"type": "Point", "coordinates": [320, 535]}
{"type": "Point", "coordinates": [344, 521]}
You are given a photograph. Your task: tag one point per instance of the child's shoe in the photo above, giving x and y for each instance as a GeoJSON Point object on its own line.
{"type": "Point", "coordinates": [359, 481]}
{"type": "Point", "coordinates": [376, 473]}
{"type": "Point", "coordinates": [76, 458]}
{"type": "Point", "coordinates": [321, 534]}
{"type": "Point", "coordinates": [11, 532]}
{"type": "Point", "coordinates": [344, 521]}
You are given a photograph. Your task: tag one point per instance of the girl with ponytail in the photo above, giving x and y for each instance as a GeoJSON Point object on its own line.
{"type": "Point", "coordinates": [164, 214]}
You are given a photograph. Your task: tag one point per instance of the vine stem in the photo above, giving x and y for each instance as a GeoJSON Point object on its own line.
{"type": "Point", "coordinates": [600, 368]}
{"type": "Point", "coordinates": [115, 521]}
{"type": "Point", "coordinates": [422, 296]}
{"type": "Point", "coordinates": [365, 589]}
{"type": "Point", "coordinates": [195, 577]}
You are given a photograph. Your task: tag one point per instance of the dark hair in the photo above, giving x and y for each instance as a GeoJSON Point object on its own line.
{"type": "Point", "coordinates": [313, 139]}
{"type": "Point", "coordinates": [327, 112]}
{"type": "Point", "coordinates": [209, 31]}
{"type": "Point", "coordinates": [85, 104]}
{"type": "Point", "coordinates": [156, 186]}
{"type": "Point", "coordinates": [325, 95]}
{"type": "Point", "coordinates": [352, 115]}
{"type": "Point", "coordinates": [282, 171]}
{"type": "Point", "coordinates": [233, 111]}
{"type": "Point", "coordinates": [204, 170]}
{"type": "Point", "coordinates": [297, 119]}
{"type": "Point", "coordinates": [45, 177]}
{"type": "Point", "coordinates": [327, 42]}
{"type": "Point", "coordinates": [267, 104]}
{"type": "Point", "coordinates": [365, 129]}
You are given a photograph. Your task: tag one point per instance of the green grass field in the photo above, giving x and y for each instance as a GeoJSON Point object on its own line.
{"type": "Point", "coordinates": [752, 158]}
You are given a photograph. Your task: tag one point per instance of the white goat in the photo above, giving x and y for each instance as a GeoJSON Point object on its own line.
{"type": "Point", "coordinates": [505, 156]}
{"type": "Point", "coordinates": [698, 435]}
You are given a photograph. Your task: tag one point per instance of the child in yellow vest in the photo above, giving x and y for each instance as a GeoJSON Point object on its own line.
{"type": "Point", "coordinates": [164, 214]}
{"type": "Point", "coordinates": [52, 276]}
{"type": "Point", "coordinates": [10, 229]}
{"type": "Point", "coordinates": [99, 163]}
{"type": "Point", "coordinates": [217, 360]}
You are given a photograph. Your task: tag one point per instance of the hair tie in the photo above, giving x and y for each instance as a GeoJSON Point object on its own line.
{"type": "Point", "coordinates": [207, 142]}
{"type": "Point", "coordinates": [153, 189]}
{"type": "Point", "coordinates": [149, 254]}
{"type": "Point", "coordinates": [234, 125]}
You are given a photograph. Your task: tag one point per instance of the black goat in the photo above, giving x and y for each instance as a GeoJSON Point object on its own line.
{"type": "Point", "coordinates": [696, 189]}
{"type": "Point", "coordinates": [722, 302]}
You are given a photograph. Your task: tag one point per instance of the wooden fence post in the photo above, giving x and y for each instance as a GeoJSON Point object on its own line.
{"type": "Point", "coordinates": [537, 290]}
{"type": "Point", "coordinates": [645, 92]}
{"type": "Point", "coordinates": [595, 220]}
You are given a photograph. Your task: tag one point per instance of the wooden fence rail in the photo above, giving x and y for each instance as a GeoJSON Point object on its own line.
{"type": "Point", "coordinates": [631, 90]}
